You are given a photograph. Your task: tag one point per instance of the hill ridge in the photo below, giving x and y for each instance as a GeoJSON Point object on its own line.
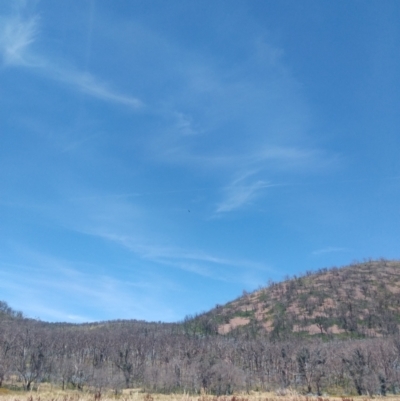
{"type": "Point", "coordinates": [358, 300]}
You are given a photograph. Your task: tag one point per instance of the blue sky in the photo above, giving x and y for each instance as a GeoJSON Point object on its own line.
{"type": "Point", "coordinates": [158, 158]}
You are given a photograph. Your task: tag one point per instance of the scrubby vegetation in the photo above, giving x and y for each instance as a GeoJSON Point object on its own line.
{"type": "Point", "coordinates": [358, 301]}
{"type": "Point", "coordinates": [137, 395]}
{"type": "Point", "coordinates": [332, 332]}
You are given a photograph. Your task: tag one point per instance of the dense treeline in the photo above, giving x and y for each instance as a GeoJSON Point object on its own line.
{"type": "Point", "coordinates": [191, 356]}
{"type": "Point", "coordinates": [7, 312]}
{"type": "Point", "coordinates": [163, 358]}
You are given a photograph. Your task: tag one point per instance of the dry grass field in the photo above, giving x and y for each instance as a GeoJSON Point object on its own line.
{"type": "Point", "coordinates": [137, 395]}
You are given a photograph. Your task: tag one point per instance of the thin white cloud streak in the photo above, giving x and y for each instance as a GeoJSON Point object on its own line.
{"type": "Point", "coordinates": [241, 192]}
{"type": "Point", "coordinates": [88, 84]}
{"type": "Point", "coordinates": [16, 35]}
{"type": "Point", "coordinates": [46, 279]}
{"type": "Point", "coordinates": [289, 159]}
{"type": "Point", "coordinates": [200, 263]}
{"type": "Point", "coordinates": [118, 220]}
{"type": "Point", "coordinates": [271, 158]}
{"type": "Point", "coordinates": [184, 124]}
{"type": "Point", "coordinates": [16, 38]}
{"type": "Point", "coordinates": [329, 249]}
{"type": "Point", "coordinates": [153, 252]}
{"type": "Point", "coordinates": [240, 196]}
{"type": "Point", "coordinates": [271, 139]}
{"type": "Point", "coordinates": [266, 162]}
{"type": "Point", "coordinates": [36, 309]}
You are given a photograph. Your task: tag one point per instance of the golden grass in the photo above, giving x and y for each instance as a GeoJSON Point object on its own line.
{"type": "Point", "coordinates": [137, 395]}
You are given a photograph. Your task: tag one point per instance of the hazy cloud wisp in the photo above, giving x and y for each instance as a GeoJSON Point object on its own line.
{"type": "Point", "coordinates": [16, 37]}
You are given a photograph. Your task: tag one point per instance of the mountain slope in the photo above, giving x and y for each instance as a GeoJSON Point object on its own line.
{"type": "Point", "coordinates": [360, 300]}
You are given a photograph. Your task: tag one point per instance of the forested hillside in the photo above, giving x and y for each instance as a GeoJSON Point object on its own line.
{"type": "Point", "coordinates": [357, 301]}
{"type": "Point", "coordinates": [334, 331]}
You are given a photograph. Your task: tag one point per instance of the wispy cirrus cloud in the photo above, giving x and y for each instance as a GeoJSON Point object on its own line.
{"type": "Point", "coordinates": [18, 34]}
{"type": "Point", "coordinates": [290, 160]}
{"type": "Point", "coordinates": [193, 261]}
{"type": "Point", "coordinates": [240, 193]}
{"type": "Point", "coordinates": [272, 139]}
{"type": "Point", "coordinates": [47, 281]}
{"type": "Point", "coordinates": [119, 220]}
{"type": "Point", "coordinates": [90, 85]}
